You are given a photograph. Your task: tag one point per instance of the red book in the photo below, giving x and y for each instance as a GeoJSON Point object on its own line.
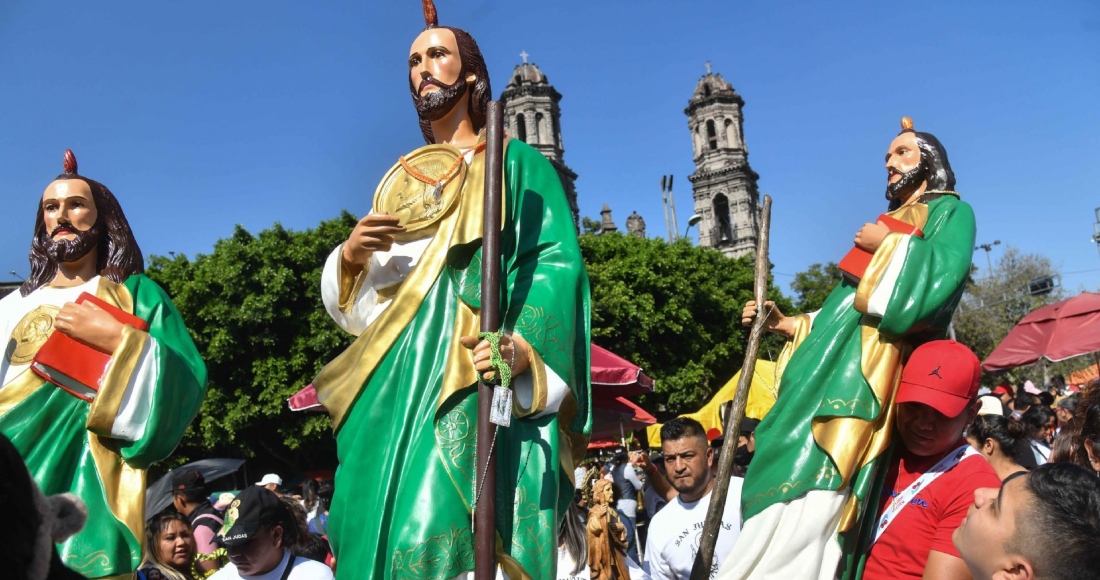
{"type": "Point", "coordinates": [74, 366]}
{"type": "Point", "coordinates": [855, 263]}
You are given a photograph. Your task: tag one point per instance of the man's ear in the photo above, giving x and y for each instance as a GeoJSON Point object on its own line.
{"type": "Point", "coordinates": [1018, 569]}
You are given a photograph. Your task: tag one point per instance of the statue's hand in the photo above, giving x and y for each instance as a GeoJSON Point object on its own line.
{"type": "Point", "coordinates": [776, 322]}
{"type": "Point", "coordinates": [870, 236]}
{"type": "Point", "coordinates": [513, 349]}
{"type": "Point", "coordinates": [91, 325]}
{"type": "Point", "coordinates": [373, 233]}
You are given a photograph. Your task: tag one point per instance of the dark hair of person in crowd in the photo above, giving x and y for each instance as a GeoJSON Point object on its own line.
{"type": "Point", "coordinates": [1038, 421]}
{"type": "Point", "coordinates": [162, 532]}
{"type": "Point", "coordinates": [619, 458]}
{"type": "Point", "coordinates": [682, 427]}
{"type": "Point", "coordinates": [1086, 430]}
{"type": "Point", "coordinates": [1063, 448]}
{"type": "Point", "coordinates": [1045, 399]}
{"type": "Point", "coordinates": [314, 547]}
{"type": "Point", "coordinates": [1003, 441]}
{"type": "Point", "coordinates": [571, 535]}
{"type": "Point", "coordinates": [324, 496]}
{"type": "Point", "coordinates": [1024, 401]}
{"type": "Point", "coordinates": [293, 522]}
{"type": "Point", "coordinates": [309, 494]}
{"type": "Point", "coordinates": [1062, 525]}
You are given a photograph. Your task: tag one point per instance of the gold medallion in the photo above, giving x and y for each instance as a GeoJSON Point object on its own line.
{"type": "Point", "coordinates": [421, 189]}
{"type": "Point", "coordinates": [30, 334]}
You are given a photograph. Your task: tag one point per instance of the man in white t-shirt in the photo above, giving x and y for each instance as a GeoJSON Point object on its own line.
{"type": "Point", "coordinates": [259, 528]}
{"type": "Point", "coordinates": [675, 532]}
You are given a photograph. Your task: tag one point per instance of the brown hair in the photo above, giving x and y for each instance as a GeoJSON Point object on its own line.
{"type": "Point", "coordinates": [480, 92]}
{"type": "Point", "coordinates": [118, 255]}
{"type": "Point", "coordinates": [1086, 426]}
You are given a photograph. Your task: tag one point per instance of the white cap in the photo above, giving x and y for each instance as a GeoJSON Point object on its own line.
{"type": "Point", "coordinates": [271, 478]}
{"type": "Point", "coordinates": [991, 406]}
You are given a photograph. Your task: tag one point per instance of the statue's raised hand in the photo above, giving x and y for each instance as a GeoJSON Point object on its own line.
{"type": "Point", "coordinates": [373, 233]}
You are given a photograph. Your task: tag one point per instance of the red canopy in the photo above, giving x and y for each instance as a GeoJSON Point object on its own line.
{"type": "Point", "coordinates": [614, 376]}
{"type": "Point", "coordinates": [1056, 332]}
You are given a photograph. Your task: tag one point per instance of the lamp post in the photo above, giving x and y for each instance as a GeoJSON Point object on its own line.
{"type": "Point", "coordinates": [694, 219]}
{"type": "Point", "coordinates": [13, 273]}
{"type": "Point", "coordinates": [988, 248]}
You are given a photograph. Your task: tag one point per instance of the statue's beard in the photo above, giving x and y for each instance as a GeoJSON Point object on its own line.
{"type": "Point", "coordinates": [901, 189]}
{"type": "Point", "coordinates": [437, 104]}
{"type": "Point", "coordinates": [66, 251]}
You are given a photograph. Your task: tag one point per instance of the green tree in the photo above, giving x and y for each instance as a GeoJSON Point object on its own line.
{"type": "Point", "coordinates": [993, 305]}
{"type": "Point", "coordinates": [589, 225]}
{"type": "Point", "coordinates": [675, 310]}
{"type": "Point", "coordinates": [254, 308]}
{"type": "Point", "coordinates": [813, 286]}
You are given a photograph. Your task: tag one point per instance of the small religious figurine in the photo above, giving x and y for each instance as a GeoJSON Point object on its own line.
{"type": "Point", "coordinates": [826, 438]}
{"type": "Point", "coordinates": [403, 396]}
{"type": "Point", "coordinates": [94, 438]}
{"type": "Point", "coordinates": [607, 539]}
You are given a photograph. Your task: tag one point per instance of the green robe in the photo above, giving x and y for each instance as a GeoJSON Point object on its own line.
{"type": "Point", "coordinates": [67, 442]}
{"type": "Point", "coordinates": [406, 442]}
{"type": "Point", "coordinates": [828, 429]}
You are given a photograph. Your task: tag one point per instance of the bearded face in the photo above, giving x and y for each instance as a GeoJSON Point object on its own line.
{"type": "Point", "coordinates": [70, 250]}
{"type": "Point", "coordinates": [434, 105]}
{"type": "Point", "coordinates": [901, 189]}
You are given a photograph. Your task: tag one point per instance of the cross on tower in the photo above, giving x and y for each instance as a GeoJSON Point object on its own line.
{"type": "Point", "coordinates": [708, 67]}
{"type": "Point", "coordinates": [524, 55]}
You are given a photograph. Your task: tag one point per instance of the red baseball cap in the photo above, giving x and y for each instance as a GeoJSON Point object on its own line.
{"type": "Point", "coordinates": [942, 374]}
{"type": "Point", "coordinates": [1002, 389]}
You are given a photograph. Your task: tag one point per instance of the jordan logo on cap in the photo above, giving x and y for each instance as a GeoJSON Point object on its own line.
{"type": "Point", "coordinates": [936, 371]}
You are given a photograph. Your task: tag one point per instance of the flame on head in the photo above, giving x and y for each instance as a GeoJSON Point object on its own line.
{"type": "Point", "coordinates": [906, 124]}
{"type": "Point", "coordinates": [431, 18]}
{"type": "Point", "coordinates": [70, 162]}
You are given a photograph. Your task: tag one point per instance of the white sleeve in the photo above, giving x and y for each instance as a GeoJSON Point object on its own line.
{"type": "Point", "coordinates": [880, 296]}
{"type": "Point", "coordinates": [632, 476]}
{"type": "Point", "coordinates": [137, 399]}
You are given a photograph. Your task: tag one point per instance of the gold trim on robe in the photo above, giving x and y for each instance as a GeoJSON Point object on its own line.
{"type": "Point", "coordinates": [116, 377]}
{"type": "Point", "coordinates": [342, 380]}
{"type": "Point", "coordinates": [852, 442]}
{"type": "Point", "coordinates": [540, 390]}
{"type": "Point", "coordinates": [802, 325]}
{"type": "Point", "coordinates": [349, 285]}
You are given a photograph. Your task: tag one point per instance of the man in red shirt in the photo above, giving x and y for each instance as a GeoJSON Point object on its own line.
{"type": "Point", "coordinates": [933, 473]}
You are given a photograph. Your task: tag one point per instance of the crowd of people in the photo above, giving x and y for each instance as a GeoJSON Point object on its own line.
{"type": "Point", "coordinates": [1001, 483]}
{"type": "Point", "coordinates": [261, 532]}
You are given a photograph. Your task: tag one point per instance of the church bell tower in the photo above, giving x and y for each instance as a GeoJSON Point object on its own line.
{"type": "Point", "coordinates": [723, 185]}
{"type": "Point", "coordinates": [532, 115]}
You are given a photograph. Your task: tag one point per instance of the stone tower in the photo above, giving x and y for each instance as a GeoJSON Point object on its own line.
{"type": "Point", "coordinates": [724, 186]}
{"type": "Point", "coordinates": [532, 115]}
{"type": "Point", "coordinates": [635, 225]}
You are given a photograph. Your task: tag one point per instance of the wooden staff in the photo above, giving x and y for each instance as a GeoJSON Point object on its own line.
{"type": "Point", "coordinates": [485, 508]}
{"type": "Point", "coordinates": [704, 559]}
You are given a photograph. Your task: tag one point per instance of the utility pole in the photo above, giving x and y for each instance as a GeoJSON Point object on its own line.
{"type": "Point", "coordinates": [672, 208]}
{"type": "Point", "coordinates": [1096, 229]}
{"type": "Point", "coordinates": [988, 248]}
{"type": "Point", "coordinates": [664, 204]}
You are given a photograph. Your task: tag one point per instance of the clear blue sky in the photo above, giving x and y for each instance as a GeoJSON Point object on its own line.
{"type": "Point", "coordinates": [202, 115]}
